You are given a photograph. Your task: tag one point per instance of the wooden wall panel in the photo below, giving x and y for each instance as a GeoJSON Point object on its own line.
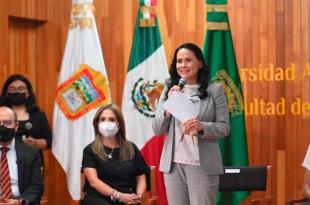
{"type": "Point", "coordinates": [29, 9]}
{"type": "Point", "coordinates": [4, 25]}
{"type": "Point", "coordinates": [33, 35]}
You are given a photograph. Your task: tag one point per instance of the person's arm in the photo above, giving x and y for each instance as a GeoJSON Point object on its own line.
{"type": "Point", "coordinates": [306, 184]}
{"type": "Point", "coordinates": [38, 143]}
{"type": "Point", "coordinates": [96, 183]}
{"type": "Point", "coordinates": [161, 121]}
{"type": "Point", "coordinates": [141, 184]}
{"type": "Point", "coordinates": [44, 140]}
{"type": "Point", "coordinates": [89, 164]}
{"type": "Point", "coordinates": [10, 202]}
{"type": "Point", "coordinates": [33, 171]}
{"type": "Point", "coordinates": [221, 126]}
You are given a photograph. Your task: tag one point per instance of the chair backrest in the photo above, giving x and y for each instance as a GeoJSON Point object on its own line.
{"type": "Point", "coordinates": [251, 178]}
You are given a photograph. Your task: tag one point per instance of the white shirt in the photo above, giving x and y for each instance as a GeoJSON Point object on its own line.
{"type": "Point", "coordinates": [306, 162]}
{"type": "Point", "coordinates": [186, 150]}
{"type": "Point", "coordinates": [12, 162]}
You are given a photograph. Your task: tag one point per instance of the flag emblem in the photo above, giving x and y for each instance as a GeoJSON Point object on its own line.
{"type": "Point", "coordinates": [84, 90]}
{"type": "Point", "coordinates": [234, 97]}
{"type": "Point", "coordinates": [145, 95]}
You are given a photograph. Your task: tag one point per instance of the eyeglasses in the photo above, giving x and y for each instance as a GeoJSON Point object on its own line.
{"type": "Point", "coordinates": [7, 123]}
{"type": "Point", "coordinates": [20, 89]}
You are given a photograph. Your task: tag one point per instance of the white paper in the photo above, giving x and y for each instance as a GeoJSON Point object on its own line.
{"type": "Point", "coordinates": [181, 107]}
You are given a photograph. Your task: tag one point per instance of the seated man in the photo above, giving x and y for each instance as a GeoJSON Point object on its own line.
{"type": "Point", "coordinates": [306, 165]}
{"type": "Point", "coordinates": [21, 179]}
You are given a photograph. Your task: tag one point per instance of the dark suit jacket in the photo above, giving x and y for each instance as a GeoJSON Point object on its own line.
{"type": "Point", "coordinates": [30, 175]}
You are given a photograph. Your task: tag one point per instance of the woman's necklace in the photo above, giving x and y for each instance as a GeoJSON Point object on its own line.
{"type": "Point", "coordinates": [108, 155]}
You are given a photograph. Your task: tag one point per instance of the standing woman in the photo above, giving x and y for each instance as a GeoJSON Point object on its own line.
{"type": "Point", "coordinates": [115, 170]}
{"type": "Point", "coordinates": [191, 159]}
{"type": "Point", "coordinates": [33, 129]}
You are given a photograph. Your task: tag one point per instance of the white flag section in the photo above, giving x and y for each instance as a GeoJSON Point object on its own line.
{"type": "Point", "coordinates": [141, 83]}
{"type": "Point", "coordinates": [70, 136]}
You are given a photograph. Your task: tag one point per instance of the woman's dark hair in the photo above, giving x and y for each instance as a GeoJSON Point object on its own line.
{"type": "Point", "coordinates": [31, 104]}
{"type": "Point", "coordinates": [203, 73]}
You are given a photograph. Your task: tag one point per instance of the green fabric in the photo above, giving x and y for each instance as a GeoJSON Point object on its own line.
{"type": "Point", "coordinates": [217, 17]}
{"type": "Point", "coordinates": [216, 1]}
{"type": "Point", "coordinates": [146, 41]}
{"type": "Point", "coordinates": [219, 54]}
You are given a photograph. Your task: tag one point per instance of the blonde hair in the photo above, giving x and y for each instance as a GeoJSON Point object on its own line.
{"type": "Point", "coordinates": [126, 148]}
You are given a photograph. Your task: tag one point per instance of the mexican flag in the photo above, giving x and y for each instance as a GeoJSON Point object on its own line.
{"type": "Point", "coordinates": [82, 87]}
{"type": "Point", "coordinates": [220, 57]}
{"type": "Point", "coordinates": [147, 72]}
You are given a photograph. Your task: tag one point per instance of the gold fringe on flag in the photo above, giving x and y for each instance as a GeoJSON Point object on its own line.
{"type": "Point", "coordinates": [216, 7]}
{"type": "Point", "coordinates": [148, 9]}
{"type": "Point", "coordinates": [81, 22]}
{"type": "Point", "coordinates": [147, 23]}
{"type": "Point", "coordinates": [222, 26]}
{"type": "Point", "coordinates": [82, 8]}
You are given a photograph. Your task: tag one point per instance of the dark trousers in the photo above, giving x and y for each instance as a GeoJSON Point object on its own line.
{"type": "Point", "coordinates": [95, 200]}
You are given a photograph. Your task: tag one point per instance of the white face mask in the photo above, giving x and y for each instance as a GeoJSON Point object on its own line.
{"type": "Point", "coordinates": [108, 129]}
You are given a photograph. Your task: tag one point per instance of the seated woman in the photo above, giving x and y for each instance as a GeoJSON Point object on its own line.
{"type": "Point", "coordinates": [33, 129]}
{"type": "Point", "coordinates": [306, 165]}
{"type": "Point", "coordinates": [114, 168]}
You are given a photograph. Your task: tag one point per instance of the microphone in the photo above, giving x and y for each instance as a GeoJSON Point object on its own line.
{"type": "Point", "coordinates": [28, 127]}
{"type": "Point", "coordinates": [182, 82]}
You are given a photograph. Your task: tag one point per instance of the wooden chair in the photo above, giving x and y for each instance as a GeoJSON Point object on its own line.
{"type": "Point", "coordinates": [267, 200]}
{"type": "Point", "coordinates": [249, 178]}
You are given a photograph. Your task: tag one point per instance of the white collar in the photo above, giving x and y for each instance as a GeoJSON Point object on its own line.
{"type": "Point", "coordinates": [11, 146]}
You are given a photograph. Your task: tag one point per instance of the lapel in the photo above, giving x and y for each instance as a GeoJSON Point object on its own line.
{"type": "Point", "coordinates": [204, 103]}
{"type": "Point", "coordinates": [203, 107]}
{"type": "Point", "coordinates": [20, 163]}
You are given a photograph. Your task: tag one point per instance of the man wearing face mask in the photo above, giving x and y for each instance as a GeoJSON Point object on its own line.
{"type": "Point", "coordinates": [21, 179]}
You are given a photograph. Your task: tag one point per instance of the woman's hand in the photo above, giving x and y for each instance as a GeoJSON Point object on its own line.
{"type": "Point", "coordinates": [192, 126]}
{"type": "Point", "coordinates": [9, 201]}
{"type": "Point", "coordinates": [174, 88]}
{"type": "Point", "coordinates": [39, 143]}
{"type": "Point", "coordinates": [130, 198]}
{"type": "Point", "coordinates": [30, 141]}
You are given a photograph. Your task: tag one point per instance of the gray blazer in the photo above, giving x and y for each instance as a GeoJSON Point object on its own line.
{"type": "Point", "coordinates": [215, 118]}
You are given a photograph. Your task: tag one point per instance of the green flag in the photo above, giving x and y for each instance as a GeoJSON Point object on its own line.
{"type": "Point", "coordinates": [220, 57]}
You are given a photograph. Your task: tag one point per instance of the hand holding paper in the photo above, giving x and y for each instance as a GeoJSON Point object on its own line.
{"type": "Point", "coordinates": [192, 126]}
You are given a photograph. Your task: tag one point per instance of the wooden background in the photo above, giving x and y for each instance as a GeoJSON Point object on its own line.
{"type": "Point", "coordinates": [33, 35]}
